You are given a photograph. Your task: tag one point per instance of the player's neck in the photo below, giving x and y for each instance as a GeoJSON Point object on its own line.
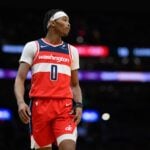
{"type": "Point", "coordinates": [53, 39]}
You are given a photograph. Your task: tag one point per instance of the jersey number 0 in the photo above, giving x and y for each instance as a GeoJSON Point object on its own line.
{"type": "Point", "coordinates": [54, 72]}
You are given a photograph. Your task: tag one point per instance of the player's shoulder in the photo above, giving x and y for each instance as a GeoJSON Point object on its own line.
{"type": "Point", "coordinates": [73, 47]}
{"type": "Point", "coordinates": [32, 43]}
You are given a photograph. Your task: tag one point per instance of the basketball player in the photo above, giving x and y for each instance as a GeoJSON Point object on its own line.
{"type": "Point", "coordinates": [55, 86]}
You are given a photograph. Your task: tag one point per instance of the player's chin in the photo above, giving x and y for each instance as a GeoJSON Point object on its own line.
{"type": "Point", "coordinates": [65, 34]}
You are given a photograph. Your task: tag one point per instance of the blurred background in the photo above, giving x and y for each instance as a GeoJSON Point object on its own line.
{"type": "Point", "coordinates": [114, 48]}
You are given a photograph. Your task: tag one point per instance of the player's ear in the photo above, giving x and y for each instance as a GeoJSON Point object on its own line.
{"type": "Point", "coordinates": [50, 23]}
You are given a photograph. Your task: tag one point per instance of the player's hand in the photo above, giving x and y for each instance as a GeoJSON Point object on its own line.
{"type": "Point", "coordinates": [78, 115]}
{"type": "Point", "coordinates": [24, 112]}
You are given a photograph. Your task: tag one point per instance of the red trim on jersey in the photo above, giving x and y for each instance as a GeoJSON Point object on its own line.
{"type": "Point", "coordinates": [37, 51]}
{"type": "Point", "coordinates": [70, 53]}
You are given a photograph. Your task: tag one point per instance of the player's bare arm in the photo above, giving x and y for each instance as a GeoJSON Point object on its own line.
{"type": "Point", "coordinates": [19, 90]}
{"type": "Point", "coordinates": [77, 95]}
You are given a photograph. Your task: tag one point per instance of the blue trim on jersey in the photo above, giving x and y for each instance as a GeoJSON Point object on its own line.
{"type": "Point", "coordinates": [61, 48]}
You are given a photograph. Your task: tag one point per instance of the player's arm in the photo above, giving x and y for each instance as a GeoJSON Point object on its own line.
{"type": "Point", "coordinates": [77, 96]}
{"type": "Point", "coordinates": [77, 93]}
{"type": "Point", "coordinates": [19, 88]}
{"type": "Point", "coordinates": [25, 62]}
{"type": "Point", "coordinates": [19, 91]}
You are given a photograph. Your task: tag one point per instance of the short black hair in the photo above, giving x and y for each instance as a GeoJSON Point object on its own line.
{"type": "Point", "coordinates": [47, 16]}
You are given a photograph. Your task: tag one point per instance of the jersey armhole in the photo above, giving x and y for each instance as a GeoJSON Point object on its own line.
{"type": "Point", "coordinates": [70, 53]}
{"type": "Point", "coordinates": [37, 50]}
